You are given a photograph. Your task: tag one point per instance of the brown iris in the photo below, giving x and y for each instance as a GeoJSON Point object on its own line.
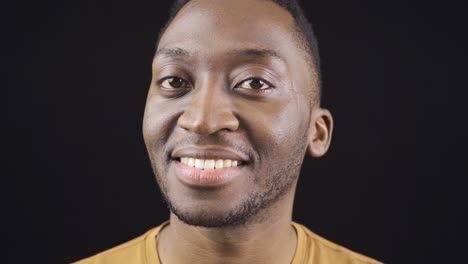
{"type": "Point", "coordinates": [255, 83]}
{"type": "Point", "coordinates": [175, 82]}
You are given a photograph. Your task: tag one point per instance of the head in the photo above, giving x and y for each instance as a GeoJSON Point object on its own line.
{"type": "Point", "coordinates": [241, 80]}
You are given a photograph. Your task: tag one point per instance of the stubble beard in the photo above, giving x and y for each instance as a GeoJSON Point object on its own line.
{"type": "Point", "coordinates": [250, 210]}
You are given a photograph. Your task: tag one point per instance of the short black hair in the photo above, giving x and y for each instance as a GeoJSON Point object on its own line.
{"type": "Point", "coordinates": [304, 33]}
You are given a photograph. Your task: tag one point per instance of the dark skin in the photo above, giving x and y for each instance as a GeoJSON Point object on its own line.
{"type": "Point", "coordinates": [231, 74]}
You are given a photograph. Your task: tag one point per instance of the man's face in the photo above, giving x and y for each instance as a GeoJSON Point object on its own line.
{"type": "Point", "coordinates": [229, 83]}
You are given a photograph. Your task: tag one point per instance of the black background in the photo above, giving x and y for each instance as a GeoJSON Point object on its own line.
{"type": "Point", "coordinates": [77, 179]}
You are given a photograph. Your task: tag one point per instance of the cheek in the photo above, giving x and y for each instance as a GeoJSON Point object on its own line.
{"type": "Point", "coordinates": [158, 122]}
{"type": "Point", "coordinates": [277, 130]}
{"type": "Point", "coordinates": [150, 121]}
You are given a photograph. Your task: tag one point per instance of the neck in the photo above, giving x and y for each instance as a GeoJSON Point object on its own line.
{"type": "Point", "coordinates": [270, 238]}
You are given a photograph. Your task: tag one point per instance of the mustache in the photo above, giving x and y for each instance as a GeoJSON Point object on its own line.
{"type": "Point", "coordinates": [219, 139]}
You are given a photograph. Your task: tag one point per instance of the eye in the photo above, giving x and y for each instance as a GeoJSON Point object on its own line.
{"type": "Point", "coordinates": [173, 83]}
{"type": "Point", "coordinates": [254, 84]}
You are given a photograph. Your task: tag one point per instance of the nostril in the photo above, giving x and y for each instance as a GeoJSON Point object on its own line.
{"type": "Point", "coordinates": [207, 124]}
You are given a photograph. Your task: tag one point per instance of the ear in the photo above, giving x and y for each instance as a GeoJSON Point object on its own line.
{"type": "Point", "coordinates": [320, 132]}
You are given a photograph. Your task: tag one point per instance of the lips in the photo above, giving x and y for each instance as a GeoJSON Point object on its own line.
{"type": "Point", "coordinates": [208, 165]}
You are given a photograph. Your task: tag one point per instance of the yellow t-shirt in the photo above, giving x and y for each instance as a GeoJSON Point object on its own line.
{"type": "Point", "coordinates": [311, 249]}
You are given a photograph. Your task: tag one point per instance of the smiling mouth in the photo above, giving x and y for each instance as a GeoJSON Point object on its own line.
{"type": "Point", "coordinates": [209, 164]}
{"type": "Point", "coordinates": [209, 157]}
{"type": "Point", "coordinates": [209, 172]}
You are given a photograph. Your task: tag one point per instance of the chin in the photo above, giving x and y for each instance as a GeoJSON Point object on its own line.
{"type": "Point", "coordinates": [208, 221]}
{"type": "Point", "coordinates": [205, 216]}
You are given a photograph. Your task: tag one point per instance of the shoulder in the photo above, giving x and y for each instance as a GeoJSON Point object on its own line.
{"type": "Point", "coordinates": [131, 252]}
{"type": "Point", "coordinates": [317, 249]}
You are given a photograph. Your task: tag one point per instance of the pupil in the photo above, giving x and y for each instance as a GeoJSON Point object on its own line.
{"type": "Point", "coordinates": [175, 82]}
{"type": "Point", "coordinates": [256, 84]}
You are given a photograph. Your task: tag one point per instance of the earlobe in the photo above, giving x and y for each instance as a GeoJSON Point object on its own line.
{"type": "Point", "coordinates": [320, 132]}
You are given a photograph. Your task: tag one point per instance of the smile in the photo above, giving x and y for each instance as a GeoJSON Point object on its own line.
{"type": "Point", "coordinates": [209, 164]}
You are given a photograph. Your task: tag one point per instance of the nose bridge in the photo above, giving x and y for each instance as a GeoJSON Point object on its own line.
{"type": "Point", "coordinates": [210, 109]}
{"type": "Point", "coordinates": [205, 98]}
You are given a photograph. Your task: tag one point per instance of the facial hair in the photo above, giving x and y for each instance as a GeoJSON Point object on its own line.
{"type": "Point", "coordinates": [250, 209]}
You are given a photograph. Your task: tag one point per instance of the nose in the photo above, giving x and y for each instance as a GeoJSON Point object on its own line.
{"type": "Point", "coordinates": [209, 111]}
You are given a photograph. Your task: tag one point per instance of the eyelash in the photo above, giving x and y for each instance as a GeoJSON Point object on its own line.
{"type": "Point", "coordinates": [270, 86]}
{"type": "Point", "coordinates": [160, 82]}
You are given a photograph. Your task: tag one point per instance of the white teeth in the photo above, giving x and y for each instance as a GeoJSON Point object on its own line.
{"type": "Point", "coordinates": [190, 162]}
{"type": "Point", "coordinates": [209, 164]}
{"type": "Point", "coordinates": [199, 164]}
{"type": "Point", "coordinates": [219, 164]}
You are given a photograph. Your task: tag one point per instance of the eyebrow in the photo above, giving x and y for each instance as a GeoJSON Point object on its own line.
{"type": "Point", "coordinates": [256, 53]}
{"type": "Point", "coordinates": [172, 52]}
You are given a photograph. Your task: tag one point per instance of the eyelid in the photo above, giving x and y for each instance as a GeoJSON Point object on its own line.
{"type": "Point", "coordinates": [162, 71]}
{"type": "Point", "coordinates": [258, 71]}
{"type": "Point", "coordinates": [160, 82]}
{"type": "Point", "coordinates": [255, 78]}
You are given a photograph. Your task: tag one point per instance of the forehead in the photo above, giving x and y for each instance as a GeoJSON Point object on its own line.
{"type": "Point", "coordinates": [210, 27]}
